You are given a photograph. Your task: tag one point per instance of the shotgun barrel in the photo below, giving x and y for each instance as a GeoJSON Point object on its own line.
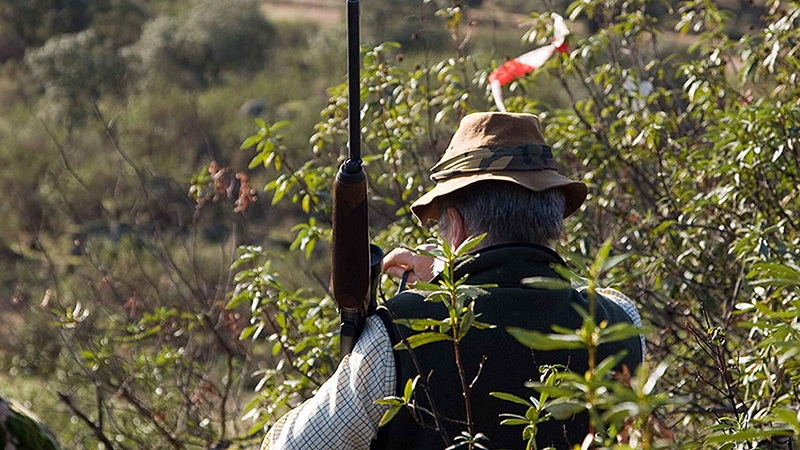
{"type": "Point", "coordinates": [350, 248]}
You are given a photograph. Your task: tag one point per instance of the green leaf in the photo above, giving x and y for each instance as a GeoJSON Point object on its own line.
{"type": "Point", "coordinates": [309, 242]}
{"type": "Point", "coordinates": [420, 339]}
{"type": "Point", "coordinates": [258, 426]}
{"type": "Point", "coordinates": [389, 415]}
{"type": "Point", "coordinates": [468, 245]}
{"type": "Point", "coordinates": [621, 411]}
{"type": "Point", "coordinates": [541, 341]}
{"type": "Point", "coordinates": [482, 325]}
{"type": "Point", "coordinates": [614, 261]}
{"type": "Point", "coordinates": [411, 384]}
{"type": "Point", "coordinates": [256, 161]}
{"type": "Point", "coordinates": [281, 188]}
{"type": "Point", "coordinates": [656, 375]}
{"type": "Point", "coordinates": [664, 226]}
{"type": "Point", "coordinates": [532, 414]}
{"type": "Point", "coordinates": [618, 332]}
{"type": "Point", "coordinates": [466, 323]}
{"type": "Point", "coordinates": [418, 324]}
{"type": "Point", "coordinates": [251, 141]}
{"type": "Point", "coordinates": [601, 257]}
{"type": "Point", "coordinates": [510, 398]}
{"type": "Point", "coordinates": [281, 319]}
{"type": "Point", "coordinates": [788, 416]}
{"type": "Point", "coordinates": [549, 283]}
{"type": "Point", "coordinates": [550, 390]}
{"type": "Point", "coordinates": [278, 125]}
{"type": "Point", "coordinates": [563, 409]}
{"type": "Point", "coordinates": [447, 250]}
{"type": "Point", "coordinates": [747, 435]}
{"type": "Point", "coordinates": [427, 287]}
{"type": "Point", "coordinates": [514, 422]}
{"type": "Point", "coordinates": [236, 301]}
{"type": "Point", "coordinates": [432, 253]}
{"type": "Point", "coordinates": [609, 363]}
{"type": "Point", "coordinates": [567, 274]}
{"type": "Point", "coordinates": [247, 332]}
{"type": "Point", "coordinates": [470, 291]}
{"type": "Point", "coordinates": [773, 274]}
{"type": "Point", "coordinates": [391, 401]}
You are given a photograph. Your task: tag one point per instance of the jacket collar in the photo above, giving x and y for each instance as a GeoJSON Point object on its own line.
{"type": "Point", "coordinates": [508, 264]}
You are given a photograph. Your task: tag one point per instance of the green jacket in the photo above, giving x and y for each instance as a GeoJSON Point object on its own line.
{"type": "Point", "coordinates": [504, 364]}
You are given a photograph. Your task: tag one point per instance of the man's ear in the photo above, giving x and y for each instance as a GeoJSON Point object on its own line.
{"type": "Point", "coordinates": [456, 231]}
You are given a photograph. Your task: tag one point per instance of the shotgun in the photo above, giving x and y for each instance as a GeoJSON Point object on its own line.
{"type": "Point", "coordinates": [355, 262]}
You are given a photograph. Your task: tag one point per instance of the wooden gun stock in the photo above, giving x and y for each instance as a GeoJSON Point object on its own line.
{"type": "Point", "coordinates": [355, 263]}
{"type": "Point", "coordinates": [350, 250]}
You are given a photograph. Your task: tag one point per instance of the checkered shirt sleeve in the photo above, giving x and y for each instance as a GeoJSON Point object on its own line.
{"type": "Point", "coordinates": [342, 414]}
{"type": "Point", "coordinates": [628, 306]}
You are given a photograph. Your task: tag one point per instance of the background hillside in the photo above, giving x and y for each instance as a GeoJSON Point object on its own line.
{"type": "Point", "coordinates": [164, 286]}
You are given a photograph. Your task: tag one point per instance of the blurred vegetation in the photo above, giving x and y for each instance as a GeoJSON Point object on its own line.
{"type": "Point", "coordinates": [164, 287]}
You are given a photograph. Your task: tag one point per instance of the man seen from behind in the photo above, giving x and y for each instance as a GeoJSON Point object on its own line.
{"type": "Point", "coordinates": [498, 177]}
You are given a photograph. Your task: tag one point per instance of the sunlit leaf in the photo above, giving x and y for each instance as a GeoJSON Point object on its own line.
{"type": "Point", "coordinates": [541, 341]}
{"type": "Point", "coordinates": [618, 332]}
{"type": "Point", "coordinates": [420, 339]}
{"type": "Point", "coordinates": [563, 409]}
{"type": "Point", "coordinates": [547, 283]}
{"type": "Point", "coordinates": [747, 435]}
{"type": "Point", "coordinates": [510, 398]}
{"type": "Point", "coordinates": [389, 415]}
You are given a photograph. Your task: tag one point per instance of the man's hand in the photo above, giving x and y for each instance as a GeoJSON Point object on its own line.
{"type": "Point", "coordinates": [399, 260]}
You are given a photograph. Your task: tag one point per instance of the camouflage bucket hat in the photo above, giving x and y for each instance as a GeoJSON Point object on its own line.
{"type": "Point", "coordinates": [500, 147]}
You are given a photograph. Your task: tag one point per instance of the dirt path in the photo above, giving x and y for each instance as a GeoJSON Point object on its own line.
{"type": "Point", "coordinates": [324, 12]}
{"type": "Point", "coordinates": [332, 12]}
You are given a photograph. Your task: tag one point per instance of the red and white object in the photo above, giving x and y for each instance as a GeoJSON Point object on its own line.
{"type": "Point", "coordinates": [528, 62]}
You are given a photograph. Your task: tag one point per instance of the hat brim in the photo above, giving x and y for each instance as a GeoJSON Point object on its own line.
{"type": "Point", "coordinates": [426, 208]}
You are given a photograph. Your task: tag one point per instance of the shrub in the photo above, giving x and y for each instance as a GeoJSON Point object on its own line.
{"type": "Point", "coordinates": [196, 47]}
{"type": "Point", "coordinates": [74, 70]}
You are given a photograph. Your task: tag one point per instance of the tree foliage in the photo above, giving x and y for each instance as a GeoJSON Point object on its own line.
{"type": "Point", "coordinates": [158, 332]}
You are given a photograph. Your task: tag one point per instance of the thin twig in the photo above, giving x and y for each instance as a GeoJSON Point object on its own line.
{"type": "Point", "coordinates": [97, 428]}
{"type": "Point", "coordinates": [480, 369]}
{"type": "Point", "coordinates": [146, 412]}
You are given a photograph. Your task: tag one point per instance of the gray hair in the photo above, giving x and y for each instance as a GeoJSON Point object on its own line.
{"type": "Point", "coordinates": [507, 213]}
